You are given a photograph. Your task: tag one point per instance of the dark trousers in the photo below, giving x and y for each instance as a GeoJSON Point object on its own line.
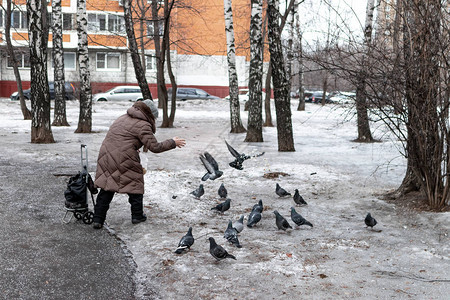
{"type": "Point", "coordinates": [104, 198]}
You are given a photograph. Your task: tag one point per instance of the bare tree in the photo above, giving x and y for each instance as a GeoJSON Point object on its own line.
{"type": "Point", "coordinates": [280, 81]}
{"type": "Point", "coordinates": [254, 127]}
{"type": "Point", "coordinates": [60, 118]}
{"type": "Point", "coordinates": [235, 116]}
{"type": "Point", "coordinates": [85, 116]}
{"type": "Point", "coordinates": [41, 131]}
{"type": "Point", "coordinates": [11, 53]}
{"type": "Point", "coordinates": [134, 50]}
{"type": "Point", "coordinates": [166, 39]}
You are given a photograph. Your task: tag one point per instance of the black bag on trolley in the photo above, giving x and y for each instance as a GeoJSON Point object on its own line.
{"type": "Point", "coordinates": [75, 194]}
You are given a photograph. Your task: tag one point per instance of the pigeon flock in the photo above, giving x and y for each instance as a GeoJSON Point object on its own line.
{"type": "Point", "coordinates": [235, 228]}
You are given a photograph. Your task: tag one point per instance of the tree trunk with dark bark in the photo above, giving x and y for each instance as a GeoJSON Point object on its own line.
{"type": "Point", "coordinates": [280, 82]}
{"type": "Point", "coordinates": [23, 107]}
{"type": "Point", "coordinates": [235, 112]}
{"type": "Point", "coordinates": [254, 127]}
{"type": "Point", "coordinates": [60, 118]}
{"type": "Point", "coordinates": [85, 117]}
{"type": "Point", "coordinates": [41, 131]}
{"type": "Point", "coordinates": [134, 51]}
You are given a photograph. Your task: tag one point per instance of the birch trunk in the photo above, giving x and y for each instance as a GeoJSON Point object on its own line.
{"type": "Point", "coordinates": [280, 81]}
{"type": "Point", "coordinates": [254, 127]}
{"type": "Point", "coordinates": [364, 133]}
{"type": "Point", "coordinates": [60, 118]}
{"type": "Point", "coordinates": [85, 117]}
{"type": "Point", "coordinates": [134, 51]}
{"type": "Point", "coordinates": [23, 107]}
{"type": "Point", "coordinates": [41, 131]}
{"type": "Point", "coordinates": [301, 91]}
{"type": "Point", "coordinates": [235, 115]}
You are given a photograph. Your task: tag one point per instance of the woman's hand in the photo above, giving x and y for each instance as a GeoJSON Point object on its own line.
{"type": "Point", "coordinates": [179, 142]}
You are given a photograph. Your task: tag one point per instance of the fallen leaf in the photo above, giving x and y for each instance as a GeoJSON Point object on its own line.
{"type": "Point", "coordinates": [323, 276]}
{"type": "Point", "coordinates": [289, 255]}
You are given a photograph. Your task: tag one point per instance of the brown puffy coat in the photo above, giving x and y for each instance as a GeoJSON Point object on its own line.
{"type": "Point", "coordinates": [118, 165]}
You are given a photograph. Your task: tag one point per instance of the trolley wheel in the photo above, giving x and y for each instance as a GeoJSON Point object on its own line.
{"type": "Point", "coordinates": [78, 215]}
{"type": "Point", "coordinates": [88, 217]}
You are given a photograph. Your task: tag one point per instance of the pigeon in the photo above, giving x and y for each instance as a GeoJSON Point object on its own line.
{"type": "Point", "coordinates": [222, 191]}
{"type": "Point", "coordinates": [217, 251]}
{"type": "Point", "coordinates": [198, 192]}
{"type": "Point", "coordinates": [370, 222]}
{"type": "Point", "coordinates": [211, 166]}
{"type": "Point", "coordinates": [254, 217]}
{"type": "Point", "coordinates": [222, 207]}
{"type": "Point", "coordinates": [239, 157]}
{"type": "Point", "coordinates": [231, 235]}
{"type": "Point", "coordinates": [298, 219]}
{"type": "Point", "coordinates": [281, 192]}
{"type": "Point", "coordinates": [186, 242]}
{"type": "Point", "coordinates": [239, 224]}
{"type": "Point", "coordinates": [258, 206]}
{"type": "Point", "coordinates": [298, 199]}
{"type": "Point", "coordinates": [281, 222]}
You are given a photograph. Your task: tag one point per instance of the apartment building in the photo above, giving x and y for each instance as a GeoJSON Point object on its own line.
{"type": "Point", "coordinates": [198, 48]}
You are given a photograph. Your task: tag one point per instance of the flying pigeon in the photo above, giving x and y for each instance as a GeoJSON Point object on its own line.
{"type": "Point", "coordinates": [222, 207]}
{"type": "Point", "coordinates": [298, 199]}
{"type": "Point", "coordinates": [186, 242]}
{"type": "Point", "coordinates": [231, 235]}
{"type": "Point", "coordinates": [254, 217]}
{"type": "Point", "coordinates": [239, 224]}
{"type": "Point", "coordinates": [281, 222]}
{"type": "Point", "coordinates": [217, 251]}
{"type": "Point", "coordinates": [281, 192]}
{"type": "Point", "coordinates": [298, 219]}
{"type": "Point", "coordinates": [198, 192]}
{"type": "Point", "coordinates": [239, 157]}
{"type": "Point", "coordinates": [211, 166]}
{"type": "Point", "coordinates": [370, 222]}
{"type": "Point", "coordinates": [222, 191]}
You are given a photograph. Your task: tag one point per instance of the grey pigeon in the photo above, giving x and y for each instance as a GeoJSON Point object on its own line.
{"type": "Point", "coordinates": [217, 251]}
{"type": "Point", "coordinates": [259, 206]}
{"type": "Point", "coordinates": [254, 217]}
{"type": "Point", "coordinates": [198, 192]}
{"type": "Point", "coordinates": [370, 222]}
{"type": "Point", "coordinates": [281, 192]}
{"type": "Point", "coordinates": [231, 235]}
{"type": "Point", "coordinates": [186, 242]}
{"type": "Point", "coordinates": [281, 222]}
{"type": "Point", "coordinates": [298, 219]}
{"type": "Point", "coordinates": [239, 224]}
{"type": "Point", "coordinates": [211, 166]}
{"type": "Point", "coordinates": [222, 191]}
{"type": "Point", "coordinates": [222, 207]}
{"type": "Point", "coordinates": [239, 157]}
{"type": "Point", "coordinates": [298, 199]}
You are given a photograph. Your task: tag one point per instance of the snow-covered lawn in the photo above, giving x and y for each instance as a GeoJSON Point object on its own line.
{"type": "Point", "coordinates": [405, 256]}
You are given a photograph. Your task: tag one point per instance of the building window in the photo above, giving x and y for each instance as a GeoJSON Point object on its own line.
{"type": "Point", "coordinates": [151, 30]}
{"type": "Point", "coordinates": [108, 61]}
{"type": "Point", "coordinates": [67, 22]}
{"type": "Point", "coordinates": [69, 61]}
{"type": "Point", "coordinates": [150, 62]}
{"type": "Point", "coordinates": [23, 60]}
{"type": "Point", "coordinates": [102, 22]}
{"type": "Point", "coordinates": [1, 18]}
{"type": "Point", "coordinates": [19, 19]}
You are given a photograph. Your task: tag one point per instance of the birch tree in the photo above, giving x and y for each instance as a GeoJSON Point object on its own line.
{"type": "Point", "coordinates": [281, 83]}
{"type": "Point", "coordinates": [254, 127]}
{"type": "Point", "coordinates": [41, 131]}
{"type": "Point", "coordinates": [235, 116]}
{"type": "Point", "coordinates": [60, 118]}
{"type": "Point", "coordinates": [134, 50]}
{"type": "Point", "coordinates": [85, 117]}
{"type": "Point", "coordinates": [364, 134]}
{"type": "Point", "coordinates": [9, 47]}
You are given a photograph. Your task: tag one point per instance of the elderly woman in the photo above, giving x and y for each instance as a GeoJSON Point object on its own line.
{"type": "Point", "coordinates": [118, 166]}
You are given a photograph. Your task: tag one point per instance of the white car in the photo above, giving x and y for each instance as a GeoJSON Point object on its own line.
{"type": "Point", "coordinates": [120, 93]}
{"type": "Point", "coordinates": [244, 95]}
{"type": "Point", "coordinates": [344, 98]}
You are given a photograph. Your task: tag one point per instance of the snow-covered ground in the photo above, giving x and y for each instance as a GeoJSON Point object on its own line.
{"type": "Point", "coordinates": [405, 256]}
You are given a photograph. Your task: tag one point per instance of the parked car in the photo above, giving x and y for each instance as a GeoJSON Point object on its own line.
{"type": "Point", "coordinates": [120, 93]}
{"type": "Point", "coordinates": [316, 97]}
{"type": "Point", "coordinates": [244, 95]}
{"type": "Point", "coordinates": [343, 97]}
{"type": "Point", "coordinates": [70, 92]}
{"type": "Point", "coordinates": [184, 94]}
